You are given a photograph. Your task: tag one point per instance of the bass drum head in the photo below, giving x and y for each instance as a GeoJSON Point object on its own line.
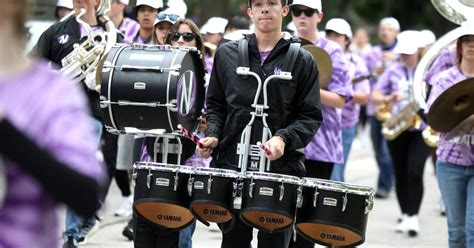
{"type": "Point", "coordinates": [152, 87]}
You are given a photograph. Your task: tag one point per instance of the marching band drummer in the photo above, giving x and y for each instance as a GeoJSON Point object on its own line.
{"type": "Point", "coordinates": [408, 151]}
{"type": "Point", "coordinates": [325, 148]}
{"type": "Point", "coordinates": [294, 114]}
{"type": "Point", "coordinates": [339, 31]}
{"type": "Point", "coordinates": [54, 45]}
{"type": "Point", "coordinates": [455, 165]}
{"type": "Point", "coordinates": [47, 142]}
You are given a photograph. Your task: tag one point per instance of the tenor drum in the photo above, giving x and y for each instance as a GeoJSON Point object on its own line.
{"type": "Point", "coordinates": [269, 200]}
{"type": "Point", "coordinates": [152, 87]}
{"type": "Point", "coordinates": [334, 214]}
{"type": "Point", "coordinates": [161, 195]}
{"type": "Point", "coordinates": [213, 192]}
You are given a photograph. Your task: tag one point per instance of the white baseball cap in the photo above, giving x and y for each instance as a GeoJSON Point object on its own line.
{"type": "Point", "coordinates": [339, 26]}
{"type": "Point", "coordinates": [214, 25]}
{"type": "Point", "coordinates": [408, 42]}
{"type": "Point", "coordinates": [428, 37]}
{"type": "Point", "coordinates": [178, 7]}
{"type": "Point", "coordinates": [126, 2]}
{"type": "Point", "coordinates": [167, 15]}
{"type": "Point", "coordinates": [65, 4]}
{"type": "Point", "coordinates": [390, 21]}
{"type": "Point", "coordinates": [312, 4]}
{"type": "Point", "coordinates": [156, 4]}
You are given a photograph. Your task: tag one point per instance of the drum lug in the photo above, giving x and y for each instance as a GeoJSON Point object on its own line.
{"type": "Point", "coordinates": [209, 185]}
{"type": "Point", "coordinates": [176, 177]}
{"type": "Point", "coordinates": [344, 202]}
{"type": "Point", "coordinates": [282, 191]}
{"type": "Point", "coordinates": [190, 185]}
{"type": "Point", "coordinates": [299, 197]}
{"type": "Point", "coordinates": [315, 197]}
{"type": "Point", "coordinates": [252, 184]}
{"type": "Point", "coordinates": [369, 204]}
{"type": "Point", "coordinates": [148, 179]}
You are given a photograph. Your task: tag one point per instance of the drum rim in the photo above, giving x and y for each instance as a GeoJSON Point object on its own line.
{"type": "Point", "coordinates": [342, 187]}
{"type": "Point", "coordinates": [274, 177]}
{"type": "Point", "coordinates": [154, 166]}
{"type": "Point", "coordinates": [203, 171]}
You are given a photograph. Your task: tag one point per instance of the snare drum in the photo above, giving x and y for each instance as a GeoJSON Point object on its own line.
{"type": "Point", "coordinates": [269, 200]}
{"type": "Point", "coordinates": [334, 214]}
{"type": "Point", "coordinates": [152, 87]}
{"type": "Point", "coordinates": [213, 192]}
{"type": "Point", "coordinates": [161, 195]}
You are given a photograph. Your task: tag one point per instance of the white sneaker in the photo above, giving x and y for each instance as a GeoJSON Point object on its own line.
{"type": "Point", "coordinates": [125, 209]}
{"type": "Point", "coordinates": [441, 208]}
{"type": "Point", "coordinates": [413, 225]}
{"type": "Point", "coordinates": [87, 232]}
{"type": "Point", "coordinates": [402, 224]}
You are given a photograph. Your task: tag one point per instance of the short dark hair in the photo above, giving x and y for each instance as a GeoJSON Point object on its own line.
{"type": "Point", "coordinates": [283, 3]}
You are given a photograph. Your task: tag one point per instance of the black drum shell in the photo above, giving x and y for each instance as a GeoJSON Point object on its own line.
{"type": "Point", "coordinates": [123, 88]}
{"type": "Point", "coordinates": [353, 218]}
{"type": "Point", "coordinates": [161, 194]}
{"type": "Point", "coordinates": [286, 207]}
{"type": "Point", "coordinates": [221, 192]}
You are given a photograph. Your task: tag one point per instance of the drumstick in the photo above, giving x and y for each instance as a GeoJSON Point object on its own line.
{"type": "Point", "coordinates": [265, 148]}
{"type": "Point", "coordinates": [190, 136]}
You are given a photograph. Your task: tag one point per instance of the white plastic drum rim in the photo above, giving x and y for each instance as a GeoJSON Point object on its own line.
{"type": "Point", "coordinates": [156, 167]}
{"type": "Point", "coordinates": [338, 186]}
{"type": "Point", "coordinates": [217, 172]}
{"type": "Point", "coordinates": [273, 177]}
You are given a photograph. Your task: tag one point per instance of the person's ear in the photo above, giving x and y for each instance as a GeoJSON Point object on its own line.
{"type": "Point", "coordinates": [285, 11]}
{"type": "Point", "coordinates": [250, 13]}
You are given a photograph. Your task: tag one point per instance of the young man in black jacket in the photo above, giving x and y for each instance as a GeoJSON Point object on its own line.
{"type": "Point", "coordinates": [294, 113]}
{"type": "Point", "coordinates": [53, 45]}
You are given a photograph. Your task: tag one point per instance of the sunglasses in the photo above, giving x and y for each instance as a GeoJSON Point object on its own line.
{"type": "Point", "coordinates": [307, 12]}
{"type": "Point", "coordinates": [167, 17]}
{"type": "Point", "coordinates": [186, 36]}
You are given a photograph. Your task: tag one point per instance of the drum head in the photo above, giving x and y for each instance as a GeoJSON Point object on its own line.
{"type": "Point", "coordinates": [327, 234]}
{"type": "Point", "coordinates": [164, 214]}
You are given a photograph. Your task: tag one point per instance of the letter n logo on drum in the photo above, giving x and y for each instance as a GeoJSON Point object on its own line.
{"type": "Point", "coordinates": [186, 93]}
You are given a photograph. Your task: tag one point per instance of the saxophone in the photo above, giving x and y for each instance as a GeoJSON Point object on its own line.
{"type": "Point", "coordinates": [87, 56]}
{"type": "Point", "coordinates": [401, 121]}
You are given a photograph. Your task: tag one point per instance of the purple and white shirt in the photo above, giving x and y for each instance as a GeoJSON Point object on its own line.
{"type": "Point", "coordinates": [398, 78]}
{"type": "Point", "coordinates": [460, 149]}
{"type": "Point", "coordinates": [351, 110]}
{"type": "Point", "coordinates": [129, 28]}
{"type": "Point", "coordinates": [373, 60]}
{"type": "Point", "coordinates": [52, 111]}
{"type": "Point", "coordinates": [326, 145]}
{"type": "Point", "coordinates": [445, 60]}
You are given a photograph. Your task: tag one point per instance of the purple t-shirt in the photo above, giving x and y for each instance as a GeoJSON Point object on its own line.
{"type": "Point", "coordinates": [326, 145]}
{"type": "Point", "coordinates": [373, 60]}
{"type": "Point", "coordinates": [460, 149]}
{"type": "Point", "coordinates": [52, 111]}
{"type": "Point", "coordinates": [351, 110]}
{"type": "Point", "coordinates": [445, 60]}
{"type": "Point", "coordinates": [398, 78]}
{"type": "Point", "coordinates": [129, 28]}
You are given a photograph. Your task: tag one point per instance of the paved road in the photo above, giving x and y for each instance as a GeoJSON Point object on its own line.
{"type": "Point", "coordinates": [361, 170]}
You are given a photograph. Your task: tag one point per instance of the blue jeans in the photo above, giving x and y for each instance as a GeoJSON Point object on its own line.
{"type": "Point", "coordinates": [457, 188]}
{"type": "Point", "coordinates": [186, 236]}
{"type": "Point", "coordinates": [75, 223]}
{"type": "Point", "coordinates": [348, 135]}
{"type": "Point", "coordinates": [382, 155]}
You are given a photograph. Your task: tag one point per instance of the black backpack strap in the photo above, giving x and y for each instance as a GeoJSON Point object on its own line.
{"type": "Point", "coordinates": [244, 53]}
{"type": "Point", "coordinates": [291, 55]}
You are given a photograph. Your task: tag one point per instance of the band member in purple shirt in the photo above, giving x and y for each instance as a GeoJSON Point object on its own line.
{"type": "Point", "coordinates": [47, 143]}
{"type": "Point", "coordinates": [339, 31]}
{"type": "Point", "coordinates": [408, 150]}
{"type": "Point", "coordinates": [325, 149]}
{"type": "Point", "coordinates": [128, 27]}
{"type": "Point", "coordinates": [146, 15]}
{"type": "Point", "coordinates": [380, 58]}
{"type": "Point", "coordinates": [455, 165]}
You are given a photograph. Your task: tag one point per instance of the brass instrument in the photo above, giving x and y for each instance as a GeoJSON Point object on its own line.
{"type": "Point", "coordinates": [210, 48]}
{"type": "Point", "coordinates": [431, 137]}
{"type": "Point", "coordinates": [90, 54]}
{"type": "Point", "coordinates": [383, 111]}
{"type": "Point", "coordinates": [401, 121]}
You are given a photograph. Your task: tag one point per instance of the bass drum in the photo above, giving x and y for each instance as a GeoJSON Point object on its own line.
{"type": "Point", "coordinates": [151, 87]}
